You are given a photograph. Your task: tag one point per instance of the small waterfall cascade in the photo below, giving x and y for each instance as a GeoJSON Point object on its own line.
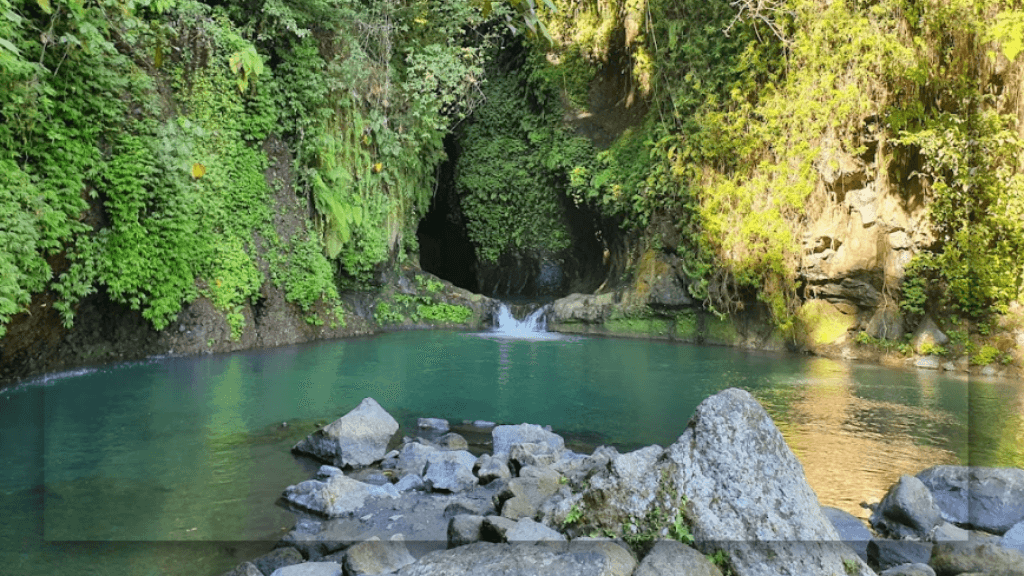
{"type": "Point", "coordinates": [534, 325]}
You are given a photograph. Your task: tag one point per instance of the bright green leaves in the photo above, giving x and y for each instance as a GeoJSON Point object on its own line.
{"type": "Point", "coordinates": [1008, 31]}
{"type": "Point", "coordinates": [247, 65]}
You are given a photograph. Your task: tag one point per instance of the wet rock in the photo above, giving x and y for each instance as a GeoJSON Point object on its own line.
{"type": "Point", "coordinates": [310, 569]}
{"type": "Point", "coordinates": [526, 530]}
{"type": "Point", "coordinates": [917, 569]}
{"type": "Point", "coordinates": [1014, 538]}
{"type": "Point", "coordinates": [889, 553]}
{"type": "Point", "coordinates": [907, 510]}
{"type": "Point", "coordinates": [489, 468]}
{"type": "Point", "coordinates": [671, 558]}
{"type": "Point", "coordinates": [450, 471]}
{"type": "Point", "coordinates": [505, 436]}
{"type": "Point", "coordinates": [437, 424]}
{"type": "Point", "coordinates": [983, 555]}
{"type": "Point", "coordinates": [748, 495]}
{"type": "Point", "coordinates": [375, 556]}
{"type": "Point", "coordinates": [244, 569]}
{"type": "Point", "coordinates": [358, 438]}
{"type": "Point", "coordinates": [851, 530]}
{"type": "Point", "coordinates": [281, 557]}
{"type": "Point", "coordinates": [464, 529]}
{"type": "Point", "coordinates": [989, 499]}
{"type": "Point", "coordinates": [484, 558]}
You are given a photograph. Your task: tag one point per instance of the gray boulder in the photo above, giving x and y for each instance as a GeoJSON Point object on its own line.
{"type": "Point", "coordinates": [886, 323]}
{"type": "Point", "coordinates": [947, 532]}
{"type": "Point", "coordinates": [523, 496]}
{"type": "Point", "coordinates": [1014, 538]}
{"type": "Point", "coordinates": [452, 441]}
{"type": "Point", "coordinates": [484, 558]}
{"type": "Point", "coordinates": [489, 468]}
{"type": "Point", "coordinates": [889, 553]}
{"type": "Point", "coordinates": [851, 530]}
{"type": "Point", "coordinates": [244, 569]}
{"type": "Point", "coordinates": [338, 496]}
{"type": "Point", "coordinates": [413, 458]}
{"type": "Point", "coordinates": [410, 482]}
{"type": "Point", "coordinates": [310, 569]}
{"type": "Point", "coordinates": [526, 530]}
{"type": "Point", "coordinates": [927, 334]}
{"type": "Point", "coordinates": [532, 454]}
{"type": "Point", "coordinates": [907, 510]}
{"type": "Point", "coordinates": [989, 499]}
{"type": "Point", "coordinates": [358, 438]}
{"type": "Point", "coordinates": [980, 554]}
{"type": "Point", "coordinates": [464, 529]}
{"type": "Point", "coordinates": [279, 558]}
{"type": "Point", "coordinates": [748, 494]}
{"type": "Point", "coordinates": [505, 436]}
{"type": "Point", "coordinates": [917, 569]}
{"type": "Point", "coordinates": [450, 471]}
{"type": "Point", "coordinates": [620, 559]}
{"type": "Point", "coordinates": [474, 506]}
{"type": "Point", "coordinates": [494, 528]}
{"type": "Point", "coordinates": [671, 558]}
{"type": "Point", "coordinates": [375, 556]}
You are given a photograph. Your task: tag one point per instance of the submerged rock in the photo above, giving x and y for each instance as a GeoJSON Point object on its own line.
{"type": "Point", "coordinates": [358, 438]}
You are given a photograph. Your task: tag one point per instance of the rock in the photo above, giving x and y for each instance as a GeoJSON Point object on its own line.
{"type": "Point", "coordinates": [917, 569]}
{"type": "Point", "coordinates": [452, 441]}
{"type": "Point", "coordinates": [927, 335]}
{"type": "Point", "coordinates": [310, 569]}
{"type": "Point", "coordinates": [413, 459]}
{"type": "Point", "coordinates": [748, 495]}
{"type": "Point", "coordinates": [484, 558]}
{"type": "Point", "coordinates": [464, 529]}
{"type": "Point", "coordinates": [1014, 538]}
{"type": "Point", "coordinates": [947, 532]}
{"type": "Point", "coordinates": [532, 454]}
{"type": "Point", "coordinates": [526, 530]}
{"type": "Point", "coordinates": [438, 424]}
{"type": "Point", "coordinates": [505, 436]}
{"type": "Point", "coordinates": [671, 558]}
{"type": "Point", "coordinates": [584, 308]}
{"type": "Point", "coordinates": [281, 557]}
{"type": "Point", "coordinates": [927, 363]}
{"type": "Point", "coordinates": [983, 555]}
{"type": "Point", "coordinates": [886, 323]}
{"type": "Point", "coordinates": [907, 510]}
{"type": "Point", "coordinates": [244, 569]}
{"type": "Point", "coordinates": [523, 496]}
{"type": "Point", "coordinates": [489, 468]}
{"type": "Point", "coordinates": [667, 289]}
{"type": "Point", "coordinates": [485, 424]}
{"type": "Point", "coordinates": [358, 438]}
{"type": "Point", "coordinates": [474, 506]}
{"type": "Point", "coordinates": [495, 527]}
{"type": "Point", "coordinates": [410, 482]}
{"type": "Point", "coordinates": [376, 557]}
{"type": "Point", "coordinates": [339, 495]}
{"type": "Point", "coordinates": [450, 471]}
{"type": "Point", "coordinates": [621, 560]}
{"type": "Point", "coordinates": [888, 553]}
{"type": "Point", "coordinates": [989, 499]}
{"type": "Point", "coordinates": [851, 530]}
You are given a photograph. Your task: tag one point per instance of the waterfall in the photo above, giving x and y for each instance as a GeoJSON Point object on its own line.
{"type": "Point", "coordinates": [531, 327]}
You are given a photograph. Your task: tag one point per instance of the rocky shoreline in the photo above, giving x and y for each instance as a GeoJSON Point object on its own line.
{"type": "Point", "coordinates": [728, 497]}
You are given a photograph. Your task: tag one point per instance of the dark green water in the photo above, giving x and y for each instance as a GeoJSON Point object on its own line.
{"type": "Point", "coordinates": [172, 466]}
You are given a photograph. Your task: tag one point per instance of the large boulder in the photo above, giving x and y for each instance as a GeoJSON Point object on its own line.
{"type": "Point", "coordinates": [505, 436]}
{"type": "Point", "coordinates": [980, 554]}
{"type": "Point", "coordinates": [358, 438]}
{"type": "Point", "coordinates": [889, 553]}
{"type": "Point", "coordinates": [927, 336]}
{"type": "Point", "coordinates": [1014, 538]}
{"type": "Point", "coordinates": [671, 558]}
{"type": "Point", "coordinates": [489, 468]}
{"type": "Point", "coordinates": [464, 529]}
{"type": "Point", "coordinates": [989, 499]}
{"type": "Point", "coordinates": [413, 459]}
{"type": "Point", "coordinates": [520, 559]}
{"type": "Point", "coordinates": [523, 496]}
{"type": "Point", "coordinates": [278, 558]}
{"type": "Point", "coordinates": [748, 495]}
{"type": "Point", "coordinates": [907, 510]}
{"type": "Point", "coordinates": [526, 530]}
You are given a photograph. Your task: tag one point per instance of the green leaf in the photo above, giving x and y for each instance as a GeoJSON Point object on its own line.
{"type": "Point", "coordinates": [45, 5]}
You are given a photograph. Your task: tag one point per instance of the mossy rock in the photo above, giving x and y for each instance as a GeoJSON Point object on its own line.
{"type": "Point", "coordinates": [823, 324]}
{"type": "Point", "coordinates": [687, 328]}
{"type": "Point", "coordinates": [721, 331]}
{"type": "Point", "coordinates": [639, 326]}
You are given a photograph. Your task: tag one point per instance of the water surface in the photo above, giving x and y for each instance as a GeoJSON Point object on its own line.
{"type": "Point", "coordinates": [172, 466]}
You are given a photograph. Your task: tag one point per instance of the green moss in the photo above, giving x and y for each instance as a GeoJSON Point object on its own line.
{"type": "Point", "coordinates": [444, 313]}
{"type": "Point", "coordinates": [721, 331]}
{"type": "Point", "coordinates": [822, 323]}
{"type": "Point", "coordinates": [641, 326]}
{"type": "Point", "coordinates": [686, 327]}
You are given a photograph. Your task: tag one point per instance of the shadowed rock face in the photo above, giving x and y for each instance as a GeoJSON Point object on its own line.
{"type": "Point", "coordinates": [989, 499]}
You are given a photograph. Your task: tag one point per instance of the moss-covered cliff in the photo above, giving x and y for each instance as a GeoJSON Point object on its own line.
{"type": "Point", "coordinates": [186, 176]}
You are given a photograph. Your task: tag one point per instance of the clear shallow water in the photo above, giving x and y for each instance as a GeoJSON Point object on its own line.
{"type": "Point", "coordinates": [173, 466]}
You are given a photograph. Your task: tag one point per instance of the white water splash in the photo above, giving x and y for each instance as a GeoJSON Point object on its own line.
{"type": "Point", "coordinates": [533, 327]}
